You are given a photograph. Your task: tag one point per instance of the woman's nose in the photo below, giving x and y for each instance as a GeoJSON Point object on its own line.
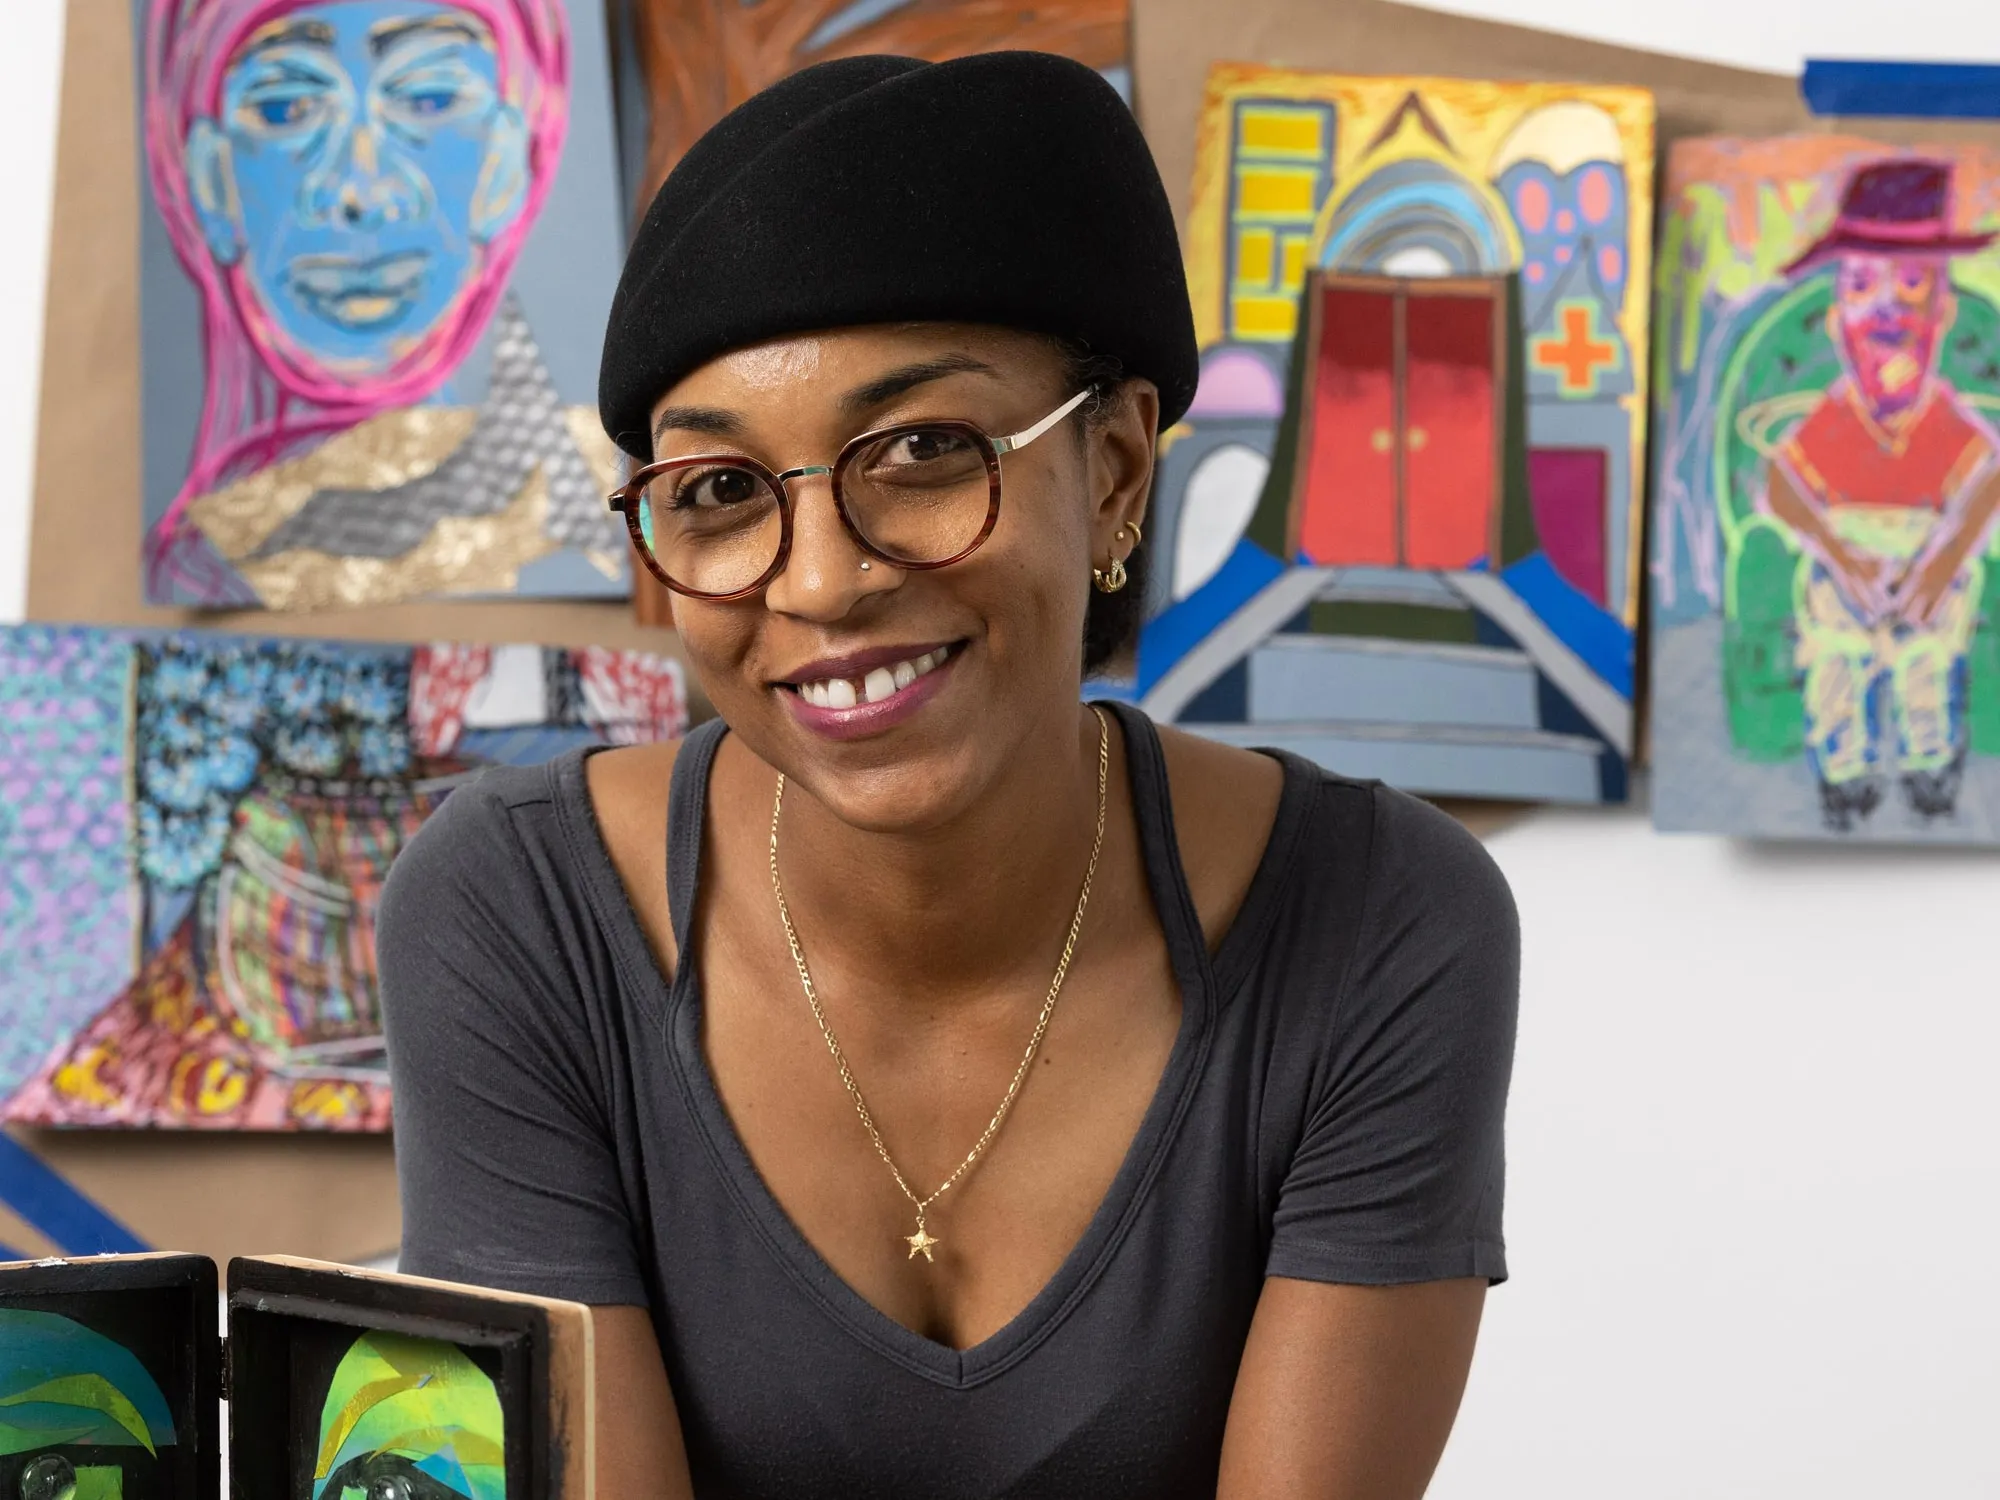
{"type": "Point", "coordinates": [825, 572]}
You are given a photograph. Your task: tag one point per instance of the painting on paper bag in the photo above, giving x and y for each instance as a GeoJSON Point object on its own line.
{"type": "Point", "coordinates": [1826, 648]}
{"type": "Point", "coordinates": [695, 60]}
{"type": "Point", "coordinates": [379, 247]}
{"type": "Point", "coordinates": [195, 830]}
{"type": "Point", "coordinates": [1398, 530]}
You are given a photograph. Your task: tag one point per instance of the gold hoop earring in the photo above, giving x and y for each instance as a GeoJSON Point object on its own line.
{"type": "Point", "coordinates": [1133, 527]}
{"type": "Point", "coordinates": [1109, 580]}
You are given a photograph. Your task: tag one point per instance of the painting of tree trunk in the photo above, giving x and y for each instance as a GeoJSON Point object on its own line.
{"type": "Point", "coordinates": [702, 58]}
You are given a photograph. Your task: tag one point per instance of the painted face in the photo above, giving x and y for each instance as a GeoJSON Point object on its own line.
{"type": "Point", "coordinates": [1889, 313]}
{"type": "Point", "coordinates": [361, 155]}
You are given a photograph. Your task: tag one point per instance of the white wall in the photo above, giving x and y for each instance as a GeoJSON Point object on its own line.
{"type": "Point", "coordinates": [30, 76]}
{"type": "Point", "coordinates": [1755, 1123]}
{"type": "Point", "coordinates": [1753, 1179]}
{"type": "Point", "coordinates": [1776, 35]}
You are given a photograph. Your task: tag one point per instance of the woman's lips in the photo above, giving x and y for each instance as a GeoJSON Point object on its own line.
{"type": "Point", "coordinates": [844, 709]}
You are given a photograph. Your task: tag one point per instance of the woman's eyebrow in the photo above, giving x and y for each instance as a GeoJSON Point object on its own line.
{"type": "Point", "coordinates": [888, 386]}
{"type": "Point", "coordinates": [713, 420]}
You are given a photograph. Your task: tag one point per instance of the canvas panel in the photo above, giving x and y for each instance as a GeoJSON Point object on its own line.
{"type": "Point", "coordinates": [271, 784]}
{"type": "Point", "coordinates": [1357, 487]}
{"type": "Point", "coordinates": [375, 263]}
{"type": "Point", "coordinates": [1826, 657]}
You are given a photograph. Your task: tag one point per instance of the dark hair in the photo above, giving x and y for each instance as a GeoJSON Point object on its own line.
{"type": "Point", "coordinates": [1111, 625]}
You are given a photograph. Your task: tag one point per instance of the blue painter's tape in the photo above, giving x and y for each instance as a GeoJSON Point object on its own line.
{"type": "Point", "coordinates": [1917, 90]}
{"type": "Point", "coordinates": [41, 1197]}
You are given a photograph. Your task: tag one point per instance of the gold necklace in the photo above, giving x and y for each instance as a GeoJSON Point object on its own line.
{"type": "Point", "coordinates": [923, 1241]}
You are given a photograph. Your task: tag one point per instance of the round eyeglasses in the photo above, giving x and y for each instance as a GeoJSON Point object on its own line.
{"type": "Point", "coordinates": [919, 495]}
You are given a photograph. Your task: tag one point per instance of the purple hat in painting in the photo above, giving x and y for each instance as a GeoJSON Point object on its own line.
{"type": "Point", "coordinates": [1898, 207]}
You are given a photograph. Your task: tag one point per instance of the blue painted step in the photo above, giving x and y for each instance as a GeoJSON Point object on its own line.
{"type": "Point", "coordinates": [1300, 678]}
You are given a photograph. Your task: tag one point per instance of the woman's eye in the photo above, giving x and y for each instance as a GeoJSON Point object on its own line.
{"type": "Point", "coordinates": [926, 447]}
{"type": "Point", "coordinates": [714, 489]}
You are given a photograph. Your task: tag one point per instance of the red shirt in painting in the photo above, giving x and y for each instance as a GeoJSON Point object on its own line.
{"type": "Point", "coordinates": [1850, 459]}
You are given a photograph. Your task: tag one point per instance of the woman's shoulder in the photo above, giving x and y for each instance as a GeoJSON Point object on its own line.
{"type": "Point", "coordinates": [488, 845]}
{"type": "Point", "coordinates": [1351, 849]}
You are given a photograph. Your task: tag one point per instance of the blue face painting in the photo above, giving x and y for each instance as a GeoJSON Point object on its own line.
{"type": "Point", "coordinates": [361, 157]}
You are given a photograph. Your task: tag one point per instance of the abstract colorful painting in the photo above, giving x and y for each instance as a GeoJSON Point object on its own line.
{"type": "Point", "coordinates": [1398, 530]}
{"type": "Point", "coordinates": [1826, 641]}
{"type": "Point", "coordinates": [380, 248]}
{"type": "Point", "coordinates": [410, 1417]}
{"type": "Point", "coordinates": [194, 874]}
{"type": "Point", "coordinates": [698, 59]}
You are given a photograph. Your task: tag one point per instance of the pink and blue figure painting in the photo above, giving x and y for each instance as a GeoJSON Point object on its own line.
{"type": "Point", "coordinates": [383, 237]}
{"type": "Point", "coordinates": [1398, 531]}
{"type": "Point", "coordinates": [1827, 656]}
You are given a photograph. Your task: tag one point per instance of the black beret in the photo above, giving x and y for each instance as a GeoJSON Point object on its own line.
{"type": "Point", "coordinates": [1010, 188]}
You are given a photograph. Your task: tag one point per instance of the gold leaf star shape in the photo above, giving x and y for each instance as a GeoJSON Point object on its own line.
{"type": "Point", "coordinates": [920, 1241]}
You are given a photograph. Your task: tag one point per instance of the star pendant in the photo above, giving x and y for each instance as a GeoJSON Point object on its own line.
{"type": "Point", "coordinates": [920, 1241]}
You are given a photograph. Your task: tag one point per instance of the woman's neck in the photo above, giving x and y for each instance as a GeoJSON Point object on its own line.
{"type": "Point", "coordinates": [965, 908]}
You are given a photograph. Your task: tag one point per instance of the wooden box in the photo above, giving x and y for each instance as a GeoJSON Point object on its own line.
{"type": "Point", "coordinates": [341, 1384]}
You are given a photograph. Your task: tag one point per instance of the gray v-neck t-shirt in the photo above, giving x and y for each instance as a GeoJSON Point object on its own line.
{"type": "Point", "coordinates": [1331, 1110]}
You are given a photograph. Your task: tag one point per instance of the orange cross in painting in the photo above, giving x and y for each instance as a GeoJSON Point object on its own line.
{"type": "Point", "coordinates": [1577, 354]}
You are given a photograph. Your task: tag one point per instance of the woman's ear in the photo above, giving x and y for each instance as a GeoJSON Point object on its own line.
{"type": "Point", "coordinates": [211, 175]}
{"type": "Point", "coordinates": [1123, 442]}
{"type": "Point", "coordinates": [503, 176]}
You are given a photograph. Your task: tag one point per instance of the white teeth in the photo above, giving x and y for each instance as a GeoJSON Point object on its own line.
{"type": "Point", "coordinates": [883, 682]}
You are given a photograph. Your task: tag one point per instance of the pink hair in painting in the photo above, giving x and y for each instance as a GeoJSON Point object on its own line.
{"type": "Point", "coordinates": [261, 401]}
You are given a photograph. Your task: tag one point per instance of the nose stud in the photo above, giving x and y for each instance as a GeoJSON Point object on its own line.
{"type": "Point", "coordinates": [866, 565]}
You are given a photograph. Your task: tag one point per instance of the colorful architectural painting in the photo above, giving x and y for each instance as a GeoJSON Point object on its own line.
{"type": "Point", "coordinates": [409, 1416]}
{"type": "Point", "coordinates": [206, 958]}
{"type": "Point", "coordinates": [1398, 530]}
{"type": "Point", "coordinates": [1826, 642]}
{"type": "Point", "coordinates": [381, 245]}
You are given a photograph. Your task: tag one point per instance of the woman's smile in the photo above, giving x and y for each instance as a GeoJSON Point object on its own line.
{"type": "Point", "coordinates": [868, 692]}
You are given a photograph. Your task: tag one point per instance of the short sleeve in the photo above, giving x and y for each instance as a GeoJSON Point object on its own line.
{"type": "Point", "coordinates": [504, 1146]}
{"type": "Point", "coordinates": [1398, 1173]}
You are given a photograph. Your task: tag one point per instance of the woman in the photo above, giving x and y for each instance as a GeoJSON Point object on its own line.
{"type": "Point", "coordinates": [940, 1086]}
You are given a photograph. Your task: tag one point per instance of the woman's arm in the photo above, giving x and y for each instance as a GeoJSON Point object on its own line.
{"type": "Point", "coordinates": [1348, 1392]}
{"type": "Point", "coordinates": [1386, 1230]}
{"type": "Point", "coordinates": [505, 1144]}
{"type": "Point", "coordinates": [640, 1455]}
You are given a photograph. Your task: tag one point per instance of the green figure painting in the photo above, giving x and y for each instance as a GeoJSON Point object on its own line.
{"type": "Point", "coordinates": [1826, 642]}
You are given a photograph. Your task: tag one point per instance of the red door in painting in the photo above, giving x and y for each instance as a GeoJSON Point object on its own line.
{"type": "Point", "coordinates": [1402, 423]}
{"type": "Point", "coordinates": [1351, 468]}
{"type": "Point", "coordinates": [1449, 430]}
